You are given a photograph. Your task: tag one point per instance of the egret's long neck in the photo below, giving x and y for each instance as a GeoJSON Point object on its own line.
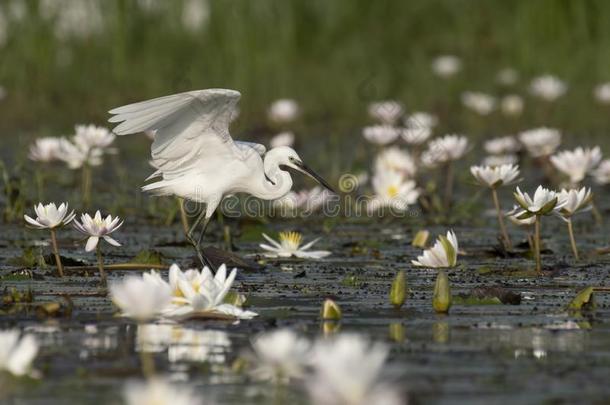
{"type": "Point", "coordinates": [283, 182]}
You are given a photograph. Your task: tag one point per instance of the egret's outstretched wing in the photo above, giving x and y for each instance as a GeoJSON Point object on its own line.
{"type": "Point", "coordinates": [191, 128]}
{"type": "Point", "coordinates": [248, 146]}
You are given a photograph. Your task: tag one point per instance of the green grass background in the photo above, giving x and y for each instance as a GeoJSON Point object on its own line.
{"type": "Point", "coordinates": [333, 56]}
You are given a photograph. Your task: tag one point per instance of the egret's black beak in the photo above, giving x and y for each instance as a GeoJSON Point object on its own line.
{"type": "Point", "coordinates": [305, 169]}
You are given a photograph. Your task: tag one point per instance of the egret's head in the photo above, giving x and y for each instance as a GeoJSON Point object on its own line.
{"type": "Point", "coordinates": [286, 156]}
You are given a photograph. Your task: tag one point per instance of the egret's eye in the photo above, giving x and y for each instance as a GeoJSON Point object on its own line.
{"type": "Point", "coordinates": [291, 159]}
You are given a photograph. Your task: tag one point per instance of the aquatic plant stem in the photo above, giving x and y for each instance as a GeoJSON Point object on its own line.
{"type": "Point", "coordinates": [60, 267]}
{"type": "Point", "coordinates": [537, 244]}
{"type": "Point", "coordinates": [572, 240]}
{"type": "Point", "coordinates": [507, 242]}
{"type": "Point", "coordinates": [100, 264]}
{"type": "Point", "coordinates": [448, 184]}
{"type": "Point", "coordinates": [86, 185]}
{"type": "Point", "coordinates": [183, 216]}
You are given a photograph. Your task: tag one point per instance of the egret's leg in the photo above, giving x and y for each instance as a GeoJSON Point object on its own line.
{"type": "Point", "coordinates": [189, 237]}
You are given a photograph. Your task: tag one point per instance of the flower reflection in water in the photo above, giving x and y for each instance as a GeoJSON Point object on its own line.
{"type": "Point", "coordinates": [184, 344]}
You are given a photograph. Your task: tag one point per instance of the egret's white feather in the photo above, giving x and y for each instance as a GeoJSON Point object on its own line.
{"type": "Point", "coordinates": [194, 153]}
{"type": "Point", "coordinates": [260, 149]}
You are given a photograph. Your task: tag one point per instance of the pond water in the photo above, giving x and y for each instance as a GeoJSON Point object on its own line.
{"type": "Point", "coordinates": [532, 352]}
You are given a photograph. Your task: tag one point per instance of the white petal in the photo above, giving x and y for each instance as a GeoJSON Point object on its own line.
{"type": "Point", "coordinates": [92, 243]}
{"type": "Point", "coordinates": [111, 241]}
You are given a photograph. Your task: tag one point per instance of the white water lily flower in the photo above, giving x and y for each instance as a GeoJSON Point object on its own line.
{"type": "Point", "coordinates": [158, 391]}
{"type": "Point", "coordinates": [194, 277]}
{"type": "Point", "coordinates": [511, 105]}
{"type": "Point", "coordinates": [380, 134]}
{"type": "Point", "coordinates": [507, 76]}
{"type": "Point", "coordinates": [282, 139]}
{"type": "Point", "coordinates": [519, 217]}
{"type": "Point", "coordinates": [443, 254]}
{"type": "Point", "coordinates": [208, 299]}
{"type": "Point", "coordinates": [97, 227]}
{"type": "Point", "coordinates": [50, 216]}
{"type": "Point", "coordinates": [283, 111]}
{"type": "Point", "coordinates": [420, 119]}
{"type": "Point", "coordinates": [414, 135]}
{"type": "Point", "coordinates": [602, 173]}
{"type": "Point", "coordinates": [502, 145]}
{"type": "Point", "coordinates": [481, 103]}
{"type": "Point", "coordinates": [347, 370]}
{"type": "Point", "coordinates": [446, 65]}
{"type": "Point", "coordinates": [392, 190]}
{"type": "Point", "coordinates": [195, 14]}
{"type": "Point", "coordinates": [141, 298]}
{"type": "Point", "coordinates": [290, 245]}
{"type": "Point", "coordinates": [395, 159]}
{"type": "Point", "coordinates": [577, 163]}
{"type": "Point", "coordinates": [75, 156]}
{"type": "Point", "coordinates": [548, 87]}
{"type": "Point", "coordinates": [45, 149]}
{"type": "Point", "coordinates": [446, 149]}
{"type": "Point", "coordinates": [602, 93]}
{"type": "Point", "coordinates": [91, 137]}
{"type": "Point", "coordinates": [17, 354]}
{"type": "Point", "coordinates": [543, 202]}
{"type": "Point", "coordinates": [386, 112]}
{"type": "Point", "coordinates": [495, 176]}
{"type": "Point", "coordinates": [280, 355]}
{"type": "Point", "coordinates": [576, 200]}
{"type": "Point", "coordinates": [540, 142]}
{"type": "Point", "coordinates": [499, 160]}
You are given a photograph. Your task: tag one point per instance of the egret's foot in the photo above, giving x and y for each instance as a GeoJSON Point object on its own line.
{"type": "Point", "coordinates": [205, 262]}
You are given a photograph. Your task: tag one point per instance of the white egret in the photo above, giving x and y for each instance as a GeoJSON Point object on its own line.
{"type": "Point", "coordinates": [196, 158]}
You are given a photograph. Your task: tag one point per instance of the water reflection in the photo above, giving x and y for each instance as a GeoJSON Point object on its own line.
{"type": "Point", "coordinates": [440, 332]}
{"type": "Point", "coordinates": [397, 332]}
{"type": "Point", "coordinates": [99, 340]}
{"type": "Point", "coordinates": [184, 344]}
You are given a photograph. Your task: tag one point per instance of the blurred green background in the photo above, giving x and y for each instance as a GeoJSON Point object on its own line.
{"type": "Point", "coordinates": [69, 61]}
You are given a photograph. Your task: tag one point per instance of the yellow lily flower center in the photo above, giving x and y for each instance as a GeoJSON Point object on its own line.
{"type": "Point", "coordinates": [290, 240]}
{"type": "Point", "coordinates": [392, 191]}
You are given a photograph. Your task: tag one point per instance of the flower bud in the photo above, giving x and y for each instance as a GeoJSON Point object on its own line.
{"type": "Point", "coordinates": [330, 310]}
{"type": "Point", "coordinates": [441, 300]}
{"type": "Point", "coordinates": [421, 239]}
{"type": "Point", "coordinates": [398, 291]}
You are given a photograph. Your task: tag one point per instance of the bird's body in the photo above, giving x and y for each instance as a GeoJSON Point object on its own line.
{"type": "Point", "coordinates": [195, 156]}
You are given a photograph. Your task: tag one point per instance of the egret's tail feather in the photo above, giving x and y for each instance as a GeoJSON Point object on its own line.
{"type": "Point", "coordinates": [156, 174]}
{"type": "Point", "coordinates": [158, 188]}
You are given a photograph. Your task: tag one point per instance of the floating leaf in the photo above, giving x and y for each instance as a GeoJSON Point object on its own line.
{"type": "Point", "coordinates": [488, 296]}
{"type": "Point", "coordinates": [352, 280]}
{"type": "Point", "coordinates": [148, 257]}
